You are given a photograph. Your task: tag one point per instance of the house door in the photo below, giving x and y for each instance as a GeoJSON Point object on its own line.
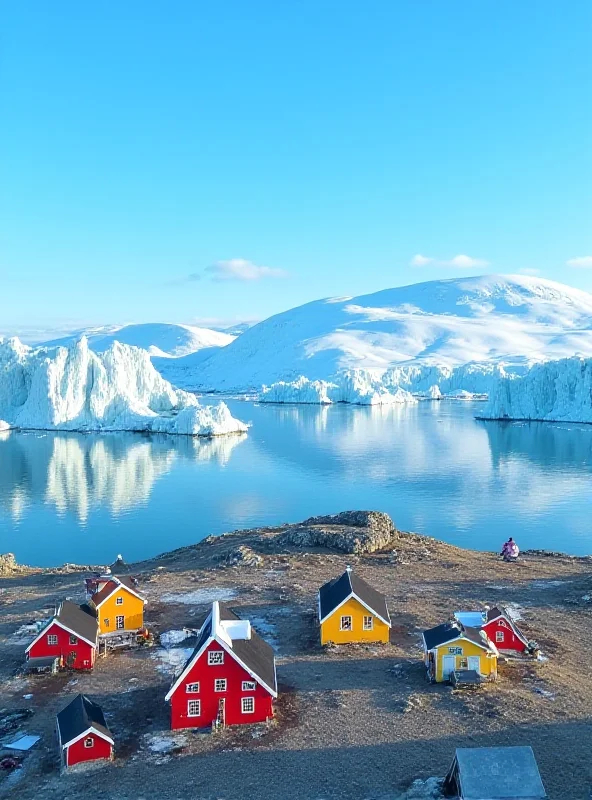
{"type": "Point", "coordinates": [475, 663]}
{"type": "Point", "coordinates": [119, 623]}
{"type": "Point", "coordinates": [447, 666]}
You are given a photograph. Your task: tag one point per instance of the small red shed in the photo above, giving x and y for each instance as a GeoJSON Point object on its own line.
{"type": "Point", "coordinates": [71, 635]}
{"type": "Point", "coordinates": [82, 732]}
{"type": "Point", "coordinates": [503, 631]}
{"type": "Point", "coordinates": [230, 678]}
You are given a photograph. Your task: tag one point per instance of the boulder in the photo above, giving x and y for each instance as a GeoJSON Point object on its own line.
{"type": "Point", "coordinates": [240, 556]}
{"type": "Point", "coordinates": [349, 531]}
{"type": "Point", "coordinates": [8, 564]}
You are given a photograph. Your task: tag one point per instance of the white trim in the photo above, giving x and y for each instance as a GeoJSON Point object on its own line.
{"type": "Point", "coordinates": [369, 627]}
{"type": "Point", "coordinates": [351, 623]}
{"type": "Point", "coordinates": [220, 680]}
{"type": "Point", "coordinates": [192, 691]}
{"type": "Point", "coordinates": [56, 621]}
{"type": "Point", "coordinates": [121, 585]}
{"type": "Point", "coordinates": [353, 595]}
{"type": "Point", "coordinates": [86, 732]}
{"type": "Point", "coordinates": [189, 702]}
{"type": "Point", "coordinates": [215, 662]}
{"type": "Point", "coordinates": [249, 686]}
{"type": "Point", "coordinates": [243, 705]}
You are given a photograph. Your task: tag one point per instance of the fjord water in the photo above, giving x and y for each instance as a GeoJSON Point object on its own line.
{"type": "Point", "coordinates": [432, 467]}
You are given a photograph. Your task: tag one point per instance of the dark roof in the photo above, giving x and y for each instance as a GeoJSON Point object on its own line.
{"type": "Point", "coordinates": [449, 631]}
{"type": "Point", "coordinates": [335, 592]}
{"type": "Point", "coordinates": [80, 715]}
{"type": "Point", "coordinates": [78, 619]}
{"type": "Point", "coordinates": [112, 585]}
{"type": "Point", "coordinates": [465, 677]}
{"type": "Point", "coordinates": [496, 773]}
{"type": "Point", "coordinates": [255, 653]}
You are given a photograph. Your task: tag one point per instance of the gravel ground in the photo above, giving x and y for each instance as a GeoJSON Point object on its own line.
{"type": "Point", "coordinates": [355, 723]}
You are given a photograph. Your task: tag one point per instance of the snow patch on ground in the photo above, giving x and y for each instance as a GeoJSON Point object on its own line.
{"type": "Point", "coordinates": [199, 596]}
{"type": "Point", "coordinates": [170, 661]}
{"type": "Point", "coordinates": [163, 744]}
{"type": "Point", "coordinates": [76, 389]}
{"type": "Point", "coordinates": [172, 638]}
{"type": "Point", "coordinates": [267, 630]}
{"type": "Point", "coordinates": [515, 611]}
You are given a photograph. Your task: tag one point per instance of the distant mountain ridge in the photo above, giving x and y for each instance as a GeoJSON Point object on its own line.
{"type": "Point", "coordinates": [513, 320]}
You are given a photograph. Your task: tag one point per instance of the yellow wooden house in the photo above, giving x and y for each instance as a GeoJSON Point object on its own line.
{"type": "Point", "coordinates": [350, 610]}
{"type": "Point", "coordinates": [453, 647]}
{"type": "Point", "coordinates": [118, 604]}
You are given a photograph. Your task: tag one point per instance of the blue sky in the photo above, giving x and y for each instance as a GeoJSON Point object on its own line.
{"type": "Point", "coordinates": [220, 161]}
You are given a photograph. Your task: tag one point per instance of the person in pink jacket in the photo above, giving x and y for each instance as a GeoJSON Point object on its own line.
{"type": "Point", "coordinates": [510, 550]}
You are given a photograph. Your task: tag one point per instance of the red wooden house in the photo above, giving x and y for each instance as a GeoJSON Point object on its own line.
{"type": "Point", "coordinates": [501, 629]}
{"type": "Point", "coordinates": [82, 732]}
{"type": "Point", "coordinates": [71, 635]}
{"type": "Point", "coordinates": [229, 679]}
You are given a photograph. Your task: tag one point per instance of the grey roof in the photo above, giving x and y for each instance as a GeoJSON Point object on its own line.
{"type": "Point", "coordinates": [496, 773]}
{"type": "Point", "coordinates": [80, 715]}
{"type": "Point", "coordinates": [79, 619]}
{"type": "Point", "coordinates": [336, 591]}
{"type": "Point", "coordinates": [449, 631]}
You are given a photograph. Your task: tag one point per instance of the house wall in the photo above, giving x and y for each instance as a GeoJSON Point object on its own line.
{"type": "Point", "coordinates": [487, 662]}
{"type": "Point", "coordinates": [510, 640]}
{"type": "Point", "coordinates": [331, 627]}
{"type": "Point", "coordinates": [205, 675]}
{"type": "Point", "coordinates": [132, 609]}
{"type": "Point", "coordinates": [77, 752]}
{"type": "Point", "coordinates": [84, 653]}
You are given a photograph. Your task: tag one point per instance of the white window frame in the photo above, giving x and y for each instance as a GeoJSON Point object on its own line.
{"type": "Point", "coordinates": [249, 686]}
{"type": "Point", "coordinates": [220, 684]}
{"type": "Point", "coordinates": [192, 688]}
{"type": "Point", "coordinates": [194, 704]}
{"type": "Point", "coordinates": [351, 623]}
{"type": "Point", "coordinates": [247, 700]}
{"type": "Point", "coordinates": [89, 742]}
{"type": "Point", "coordinates": [119, 601]}
{"type": "Point", "coordinates": [215, 657]}
{"type": "Point", "coordinates": [52, 639]}
{"type": "Point", "coordinates": [499, 636]}
{"type": "Point", "coordinates": [368, 624]}
{"type": "Point", "coordinates": [119, 627]}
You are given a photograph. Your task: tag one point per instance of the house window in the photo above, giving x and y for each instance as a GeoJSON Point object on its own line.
{"type": "Point", "coordinates": [89, 742]}
{"type": "Point", "coordinates": [248, 705]}
{"type": "Point", "coordinates": [455, 651]}
{"type": "Point", "coordinates": [52, 638]}
{"type": "Point", "coordinates": [499, 636]}
{"type": "Point", "coordinates": [463, 663]}
{"type": "Point", "coordinates": [192, 688]}
{"type": "Point", "coordinates": [346, 623]}
{"type": "Point", "coordinates": [119, 622]}
{"type": "Point", "coordinates": [106, 623]}
{"type": "Point", "coordinates": [368, 623]}
{"type": "Point", "coordinates": [215, 657]}
{"type": "Point", "coordinates": [73, 639]}
{"type": "Point", "coordinates": [119, 601]}
{"type": "Point", "coordinates": [249, 686]}
{"type": "Point", "coordinates": [220, 685]}
{"type": "Point", "coordinates": [194, 708]}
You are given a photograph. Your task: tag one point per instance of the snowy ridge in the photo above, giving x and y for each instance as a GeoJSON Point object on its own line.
{"type": "Point", "coordinates": [354, 387]}
{"type": "Point", "coordinates": [76, 389]}
{"type": "Point", "coordinates": [461, 329]}
{"type": "Point", "coordinates": [558, 391]}
{"type": "Point", "coordinates": [161, 339]}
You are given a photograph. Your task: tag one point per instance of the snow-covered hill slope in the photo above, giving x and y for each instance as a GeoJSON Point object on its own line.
{"type": "Point", "coordinates": [161, 339]}
{"type": "Point", "coordinates": [423, 332]}
{"type": "Point", "coordinates": [558, 391]}
{"type": "Point", "coordinates": [77, 389]}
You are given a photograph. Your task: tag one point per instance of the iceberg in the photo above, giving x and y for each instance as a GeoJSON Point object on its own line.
{"type": "Point", "coordinates": [555, 391]}
{"type": "Point", "coordinates": [357, 387]}
{"type": "Point", "coordinates": [75, 389]}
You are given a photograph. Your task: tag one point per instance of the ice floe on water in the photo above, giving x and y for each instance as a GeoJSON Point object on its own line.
{"type": "Point", "coordinates": [76, 389]}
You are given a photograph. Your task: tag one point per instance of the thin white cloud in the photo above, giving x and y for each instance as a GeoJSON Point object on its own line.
{"type": "Point", "coordinates": [582, 262]}
{"type": "Point", "coordinates": [461, 261]}
{"type": "Point", "coordinates": [239, 269]}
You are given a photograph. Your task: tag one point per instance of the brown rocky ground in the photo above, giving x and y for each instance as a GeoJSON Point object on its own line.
{"type": "Point", "coordinates": [357, 723]}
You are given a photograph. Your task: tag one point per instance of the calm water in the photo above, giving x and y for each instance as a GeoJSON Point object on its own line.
{"type": "Point", "coordinates": [432, 467]}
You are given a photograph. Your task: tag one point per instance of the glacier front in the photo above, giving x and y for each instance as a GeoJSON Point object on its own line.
{"type": "Point", "coordinates": [75, 389]}
{"type": "Point", "coordinates": [357, 387]}
{"type": "Point", "coordinates": [557, 391]}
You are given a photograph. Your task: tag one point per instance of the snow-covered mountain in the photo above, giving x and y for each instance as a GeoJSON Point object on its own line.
{"type": "Point", "coordinates": [161, 339]}
{"type": "Point", "coordinates": [77, 389]}
{"type": "Point", "coordinates": [410, 336]}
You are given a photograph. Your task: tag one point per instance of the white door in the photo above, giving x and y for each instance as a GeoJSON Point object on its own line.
{"type": "Point", "coordinates": [447, 666]}
{"type": "Point", "coordinates": [475, 663]}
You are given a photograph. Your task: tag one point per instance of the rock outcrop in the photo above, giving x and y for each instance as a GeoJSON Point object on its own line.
{"type": "Point", "coordinates": [350, 532]}
{"type": "Point", "coordinates": [8, 564]}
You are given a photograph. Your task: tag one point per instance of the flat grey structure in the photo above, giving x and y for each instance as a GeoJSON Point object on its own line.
{"type": "Point", "coordinates": [494, 773]}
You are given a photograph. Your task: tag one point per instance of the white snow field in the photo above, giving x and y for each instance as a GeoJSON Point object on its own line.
{"type": "Point", "coordinates": [558, 391]}
{"type": "Point", "coordinates": [457, 335]}
{"type": "Point", "coordinates": [160, 339]}
{"type": "Point", "coordinates": [77, 389]}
